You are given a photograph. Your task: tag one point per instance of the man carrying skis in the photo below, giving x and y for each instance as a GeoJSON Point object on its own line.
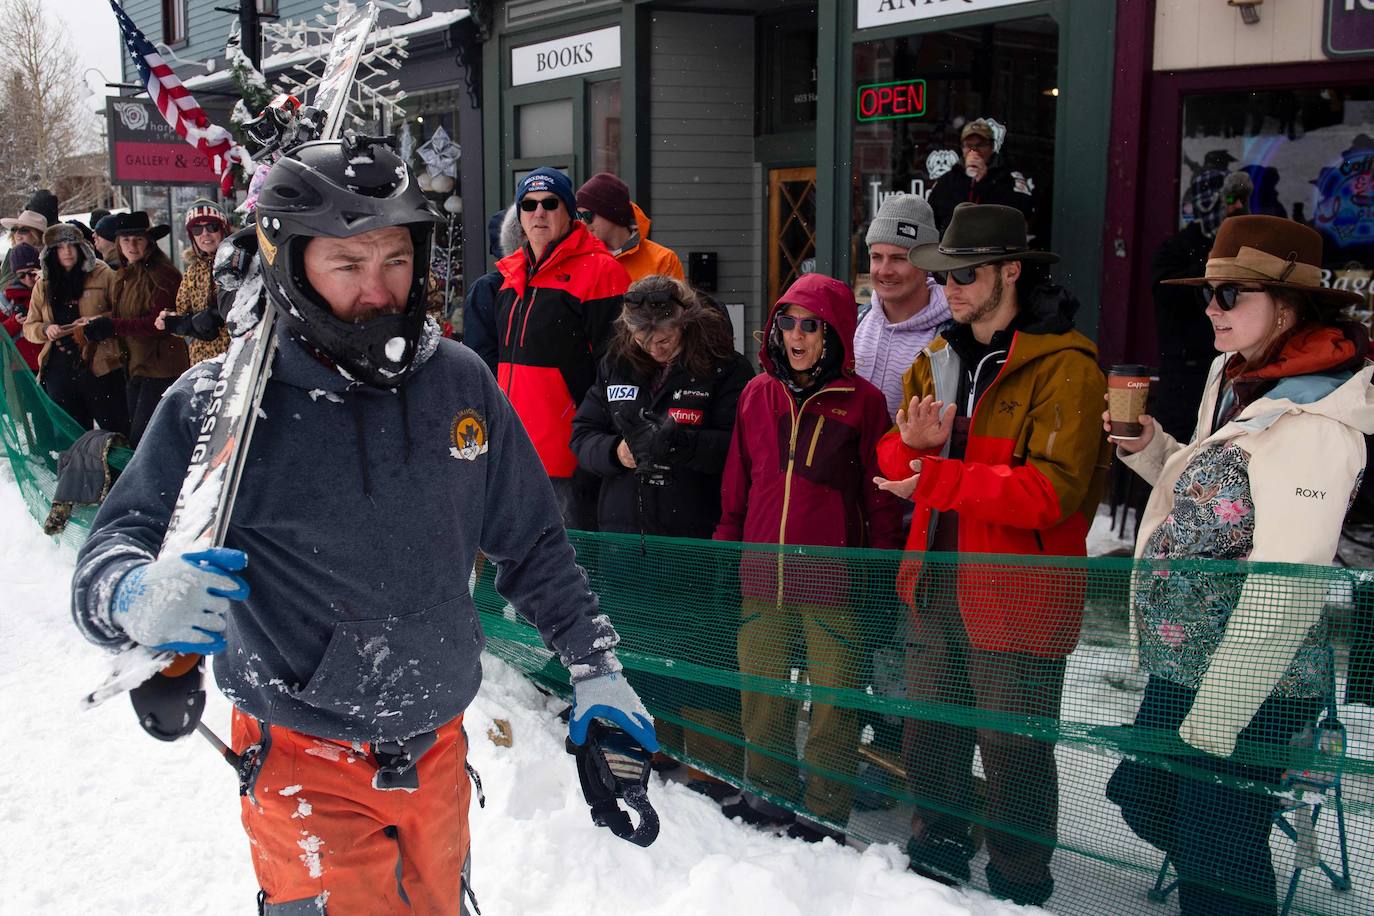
{"type": "Point", "coordinates": [382, 455]}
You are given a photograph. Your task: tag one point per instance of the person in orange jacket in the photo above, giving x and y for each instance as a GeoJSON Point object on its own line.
{"type": "Point", "coordinates": [604, 204]}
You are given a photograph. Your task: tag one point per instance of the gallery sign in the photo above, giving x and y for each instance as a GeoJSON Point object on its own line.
{"type": "Point", "coordinates": [572, 55]}
{"type": "Point", "coordinates": [873, 13]}
{"type": "Point", "coordinates": [144, 149]}
{"type": "Point", "coordinates": [1348, 30]}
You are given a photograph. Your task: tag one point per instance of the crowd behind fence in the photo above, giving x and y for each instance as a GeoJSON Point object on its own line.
{"type": "Point", "coordinates": [678, 607]}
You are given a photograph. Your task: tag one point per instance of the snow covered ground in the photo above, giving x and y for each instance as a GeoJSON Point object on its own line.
{"type": "Point", "coordinates": [96, 817]}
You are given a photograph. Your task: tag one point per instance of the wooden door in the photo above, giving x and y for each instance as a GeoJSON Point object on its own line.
{"type": "Point", "coordinates": [791, 227]}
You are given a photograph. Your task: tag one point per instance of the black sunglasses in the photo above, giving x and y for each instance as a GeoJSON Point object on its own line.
{"type": "Point", "coordinates": [586, 216]}
{"type": "Point", "coordinates": [1225, 295]}
{"type": "Point", "coordinates": [202, 228]}
{"type": "Point", "coordinates": [808, 325]}
{"type": "Point", "coordinates": [963, 276]}
{"type": "Point", "coordinates": [548, 203]}
{"type": "Point", "coordinates": [26, 273]}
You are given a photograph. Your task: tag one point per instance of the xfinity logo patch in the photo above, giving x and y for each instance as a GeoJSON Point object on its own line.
{"type": "Point", "coordinates": [622, 392]}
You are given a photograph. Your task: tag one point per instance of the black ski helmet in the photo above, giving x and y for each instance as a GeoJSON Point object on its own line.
{"type": "Point", "coordinates": [338, 189]}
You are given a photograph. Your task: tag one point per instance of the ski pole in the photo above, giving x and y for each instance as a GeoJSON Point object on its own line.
{"type": "Point", "coordinates": [234, 760]}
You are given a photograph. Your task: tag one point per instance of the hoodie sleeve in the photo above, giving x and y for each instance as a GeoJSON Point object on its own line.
{"type": "Point", "coordinates": [882, 510]}
{"type": "Point", "coordinates": [536, 567]}
{"type": "Point", "coordinates": [1065, 445]}
{"type": "Point", "coordinates": [130, 525]}
{"type": "Point", "coordinates": [1303, 473]}
{"type": "Point", "coordinates": [734, 490]}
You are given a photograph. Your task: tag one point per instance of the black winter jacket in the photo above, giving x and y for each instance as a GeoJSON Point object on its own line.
{"type": "Point", "coordinates": [1000, 185]}
{"type": "Point", "coordinates": [684, 500]}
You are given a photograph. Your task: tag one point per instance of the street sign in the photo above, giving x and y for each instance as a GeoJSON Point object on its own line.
{"type": "Point", "coordinates": [891, 101]}
{"type": "Point", "coordinates": [144, 149]}
{"type": "Point", "coordinates": [1348, 29]}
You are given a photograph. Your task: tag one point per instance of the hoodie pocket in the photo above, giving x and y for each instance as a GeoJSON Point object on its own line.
{"type": "Point", "coordinates": [422, 668]}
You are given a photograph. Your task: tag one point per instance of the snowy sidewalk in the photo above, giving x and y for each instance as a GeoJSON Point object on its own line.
{"type": "Point", "coordinates": [99, 818]}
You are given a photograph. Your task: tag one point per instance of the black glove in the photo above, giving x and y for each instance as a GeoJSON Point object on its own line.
{"type": "Point", "coordinates": [205, 324]}
{"type": "Point", "coordinates": [99, 328]}
{"type": "Point", "coordinates": [180, 325]}
{"type": "Point", "coordinates": [652, 440]}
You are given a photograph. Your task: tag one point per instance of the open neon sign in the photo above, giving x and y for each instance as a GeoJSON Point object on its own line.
{"type": "Point", "coordinates": [891, 101]}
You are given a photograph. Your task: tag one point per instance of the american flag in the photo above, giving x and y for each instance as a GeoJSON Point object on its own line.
{"type": "Point", "coordinates": [176, 103]}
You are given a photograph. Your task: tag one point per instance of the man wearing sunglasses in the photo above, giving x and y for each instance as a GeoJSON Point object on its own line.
{"type": "Point", "coordinates": [604, 205]}
{"type": "Point", "coordinates": [1001, 449]}
{"type": "Point", "coordinates": [554, 319]}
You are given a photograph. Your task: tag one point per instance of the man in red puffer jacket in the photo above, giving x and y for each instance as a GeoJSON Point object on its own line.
{"type": "Point", "coordinates": [554, 316]}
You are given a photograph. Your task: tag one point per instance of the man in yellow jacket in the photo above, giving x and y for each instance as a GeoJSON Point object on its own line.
{"type": "Point", "coordinates": [604, 204]}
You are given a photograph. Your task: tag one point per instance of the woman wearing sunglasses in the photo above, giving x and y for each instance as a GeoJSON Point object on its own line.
{"type": "Point", "coordinates": [1240, 663]}
{"type": "Point", "coordinates": [196, 316]}
{"type": "Point", "coordinates": [800, 471]}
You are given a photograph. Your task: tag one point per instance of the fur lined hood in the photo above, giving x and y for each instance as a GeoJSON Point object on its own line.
{"type": "Point", "coordinates": [65, 232]}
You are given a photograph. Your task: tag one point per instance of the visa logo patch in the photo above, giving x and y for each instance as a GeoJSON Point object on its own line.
{"type": "Point", "coordinates": [686, 415]}
{"type": "Point", "coordinates": [622, 392]}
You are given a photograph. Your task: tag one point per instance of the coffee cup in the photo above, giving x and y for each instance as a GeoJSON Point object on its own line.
{"type": "Point", "coordinates": [1128, 388]}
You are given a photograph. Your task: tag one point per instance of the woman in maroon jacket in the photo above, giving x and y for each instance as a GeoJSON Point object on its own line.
{"type": "Point", "coordinates": [800, 471]}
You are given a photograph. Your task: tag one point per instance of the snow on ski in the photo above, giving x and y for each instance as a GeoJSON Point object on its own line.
{"type": "Point", "coordinates": [205, 504]}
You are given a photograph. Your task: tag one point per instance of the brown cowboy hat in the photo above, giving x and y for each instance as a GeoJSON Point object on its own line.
{"type": "Point", "coordinates": [979, 234]}
{"type": "Point", "coordinates": [1273, 252]}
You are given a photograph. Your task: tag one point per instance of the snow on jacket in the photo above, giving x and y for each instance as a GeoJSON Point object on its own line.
{"type": "Point", "coordinates": [883, 351]}
{"type": "Point", "coordinates": [686, 501]}
{"type": "Point", "coordinates": [149, 353]}
{"type": "Point", "coordinates": [553, 325]}
{"type": "Point", "coordinates": [361, 512]}
{"type": "Point", "coordinates": [642, 257]}
{"type": "Point", "coordinates": [1032, 474]}
{"type": "Point", "coordinates": [97, 298]}
{"type": "Point", "coordinates": [803, 473]}
{"type": "Point", "coordinates": [195, 294]}
{"type": "Point", "coordinates": [1271, 485]}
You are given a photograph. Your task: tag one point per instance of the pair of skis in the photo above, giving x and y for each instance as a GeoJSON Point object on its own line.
{"type": "Point", "coordinates": [205, 504]}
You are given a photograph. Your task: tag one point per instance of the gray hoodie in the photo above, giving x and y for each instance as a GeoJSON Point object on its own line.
{"type": "Point", "coordinates": [361, 512]}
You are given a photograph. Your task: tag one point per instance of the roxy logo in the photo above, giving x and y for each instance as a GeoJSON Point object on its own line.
{"type": "Point", "coordinates": [559, 58]}
{"type": "Point", "coordinates": [1309, 494]}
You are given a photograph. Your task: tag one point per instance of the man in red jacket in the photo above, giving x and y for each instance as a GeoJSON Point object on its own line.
{"type": "Point", "coordinates": [999, 431]}
{"type": "Point", "coordinates": [554, 316]}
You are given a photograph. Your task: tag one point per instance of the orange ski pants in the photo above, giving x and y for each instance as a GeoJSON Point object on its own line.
{"type": "Point", "coordinates": [325, 841]}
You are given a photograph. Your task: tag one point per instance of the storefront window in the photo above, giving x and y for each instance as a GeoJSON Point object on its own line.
{"type": "Point", "coordinates": [905, 139]}
{"type": "Point", "coordinates": [603, 127]}
{"type": "Point", "coordinates": [545, 129]}
{"type": "Point", "coordinates": [1310, 157]}
{"type": "Point", "coordinates": [787, 71]}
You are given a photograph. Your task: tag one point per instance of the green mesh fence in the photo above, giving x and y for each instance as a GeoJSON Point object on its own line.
{"type": "Point", "coordinates": [34, 432]}
{"type": "Point", "coordinates": [995, 707]}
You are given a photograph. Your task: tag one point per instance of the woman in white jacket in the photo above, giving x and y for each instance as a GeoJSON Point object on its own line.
{"type": "Point", "coordinates": [1239, 662]}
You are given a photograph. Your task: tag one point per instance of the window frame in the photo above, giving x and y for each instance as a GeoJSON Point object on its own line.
{"type": "Point", "coordinates": [174, 30]}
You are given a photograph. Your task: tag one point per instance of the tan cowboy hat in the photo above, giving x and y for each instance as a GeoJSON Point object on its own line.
{"type": "Point", "coordinates": [27, 219]}
{"type": "Point", "coordinates": [1273, 252]}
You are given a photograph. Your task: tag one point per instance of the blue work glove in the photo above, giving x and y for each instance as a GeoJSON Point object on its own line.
{"type": "Point", "coordinates": [179, 603]}
{"type": "Point", "coordinates": [610, 697]}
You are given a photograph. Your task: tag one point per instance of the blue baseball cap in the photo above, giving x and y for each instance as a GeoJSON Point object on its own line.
{"type": "Point", "coordinates": [551, 180]}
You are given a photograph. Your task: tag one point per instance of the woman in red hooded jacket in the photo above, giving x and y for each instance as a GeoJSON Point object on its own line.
{"type": "Point", "coordinates": [800, 471]}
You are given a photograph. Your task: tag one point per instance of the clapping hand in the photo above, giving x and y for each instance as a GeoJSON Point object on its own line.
{"type": "Point", "coordinates": [925, 423]}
